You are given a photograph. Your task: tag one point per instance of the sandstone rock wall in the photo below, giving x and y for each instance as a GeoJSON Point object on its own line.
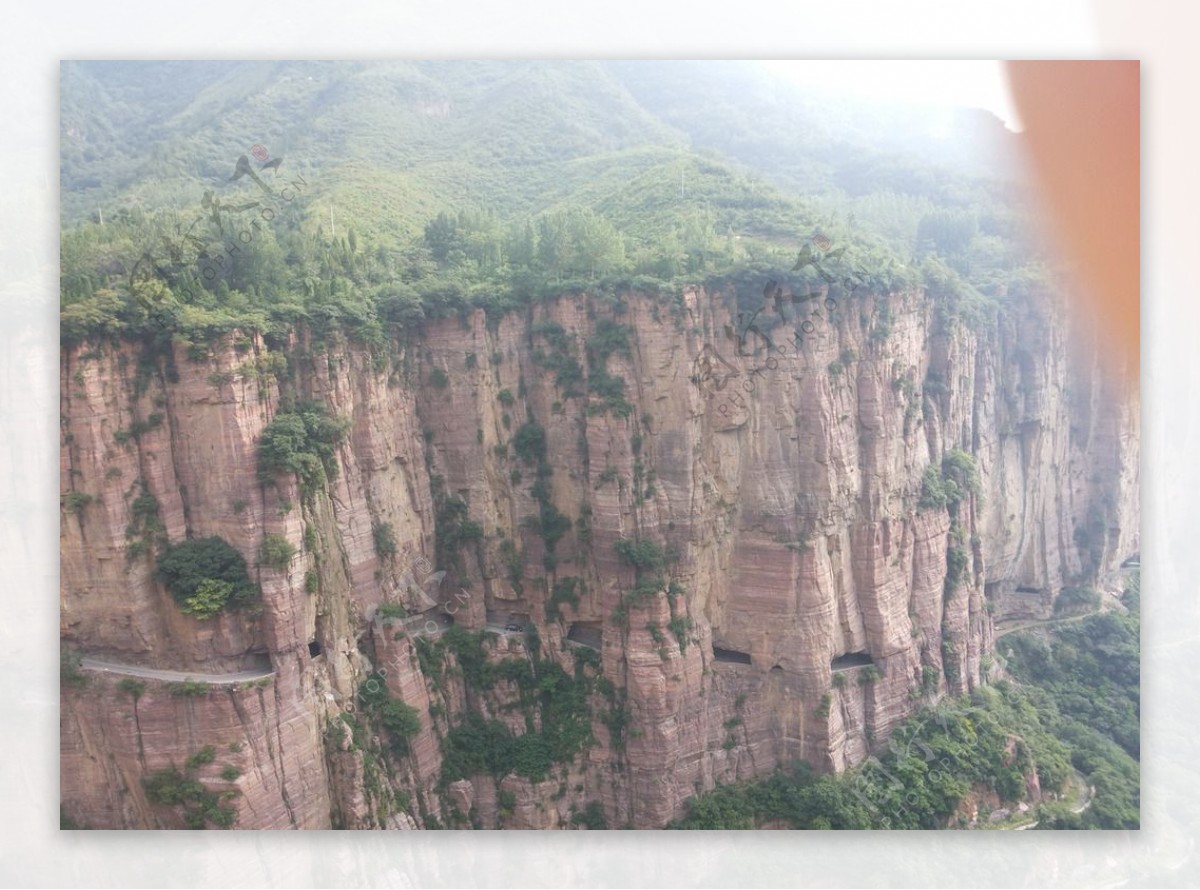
{"type": "Point", "coordinates": [783, 483]}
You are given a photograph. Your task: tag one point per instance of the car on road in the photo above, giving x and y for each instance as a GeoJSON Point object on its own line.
{"type": "Point", "coordinates": [513, 628]}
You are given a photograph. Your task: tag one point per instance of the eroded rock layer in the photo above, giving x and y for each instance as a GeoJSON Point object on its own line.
{"type": "Point", "coordinates": [800, 609]}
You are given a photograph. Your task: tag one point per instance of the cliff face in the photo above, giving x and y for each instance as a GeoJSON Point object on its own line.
{"type": "Point", "coordinates": [781, 489]}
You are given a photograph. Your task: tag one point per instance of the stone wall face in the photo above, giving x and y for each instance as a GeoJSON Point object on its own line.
{"type": "Point", "coordinates": [784, 484]}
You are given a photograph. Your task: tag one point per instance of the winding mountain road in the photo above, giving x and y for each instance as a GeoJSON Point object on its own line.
{"type": "Point", "coordinates": [132, 670]}
{"type": "Point", "coordinates": [1049, 622]}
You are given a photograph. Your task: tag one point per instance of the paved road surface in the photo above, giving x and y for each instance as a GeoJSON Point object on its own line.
{"type": "Point", "coordinates": [434, 625]}
{"type": "Point", "coordinates": [131, 670]}
{"type": "Point", "coordinates": [1049, 622]}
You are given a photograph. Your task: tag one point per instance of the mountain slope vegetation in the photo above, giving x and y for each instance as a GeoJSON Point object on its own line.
{"type": "Point", "coordinates": [381, 193]}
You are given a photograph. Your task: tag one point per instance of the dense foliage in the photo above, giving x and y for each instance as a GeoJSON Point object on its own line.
{"type": "Point", "coordinates": [554, 704]}
{"type": "Point", "coordinates": [199, 804]}
{"type": "Point", "coordinates": [401, 721]}
{"type": "Point", "coordinates": [303, 442]}
{"type": "Point", "coordinates": [959, 477]}
{"type": "Point", "coordinates": [384, 210]}
{"type": "Point", "coordinates": [549, 177]}
{"type": "Point", "coordinates": [1090, 668]}
{"type": "Point", "coordinates": [205, 575]}
{"type": "Point", "coordinates": [1074, 710]}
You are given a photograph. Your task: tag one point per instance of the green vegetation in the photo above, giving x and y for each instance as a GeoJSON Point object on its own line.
{"type": "Point", "coordinates": [1076, 710]}
{"type": "Point", "coordinates": [205, 575]}
{"type": "Point", "coordinates": [1088, 679]}
{"type": "Point", "coordinates": [400, 721]}
{"type": "Point", "coordinates": [550, 178]}
{"type": "Point", "coordinates": [511, 557]}
{"type": "Point", "coordinates": [550, 523]}
{"type": "Point", "coordinates": [277, 552]}
{"type": "Point", "coordinates": [190, 688]}
{"type": "Point", "coordinates": [566, 591]}
{"type": "Point", "coordinates": [591, 817]}
{"type": "Point", "coordinates": [649, 561]}
{"type": "Point", "coordinates": [384, 539]}
{"type": "Point", "coordinates": [609, 338]}
{"type": "Point", "coordinates": [470, 651]}
{"type": "Point", "coordinates": [597, 176]}
{"type": "Point", "coordinates": [869, 674]}
{"type": "Point", "coordinates": [302, 442]}
{"type": "Point", "coordinates": [199, 805]}
{"type": "Point", "coordinates": [132, 688]}
{"type": "Point", "coordinates": [210, 597]}
{"type": "Point", "coordinates": [679, 625]}
{"type": "Point", "coordinates": [961, 475]}
{"type": "Point", "coordinates": [553, 703]}
{"type": "Point", "coordinates": [529, 443]}
{"type": "Point", "coordinates": [203, 757]}
{"type": "Point", "coordinates": [75, 501]}
{"type": "Point", "coordinates": [70, 668]}
{"type": "Point", "coordinates": [958, 477]}
{"type": "Point", "coordinates": [932, 761]}
{"type": "Point", "coordinates": [1090, 669]}
{"type": "Point", "coordinates": [933, 492]}
{"type": "Point", "coordinates": [1073, 600]}
{"type": "Point", "coordinates": [453, 526]}
{"type": "Point", "coordinates": [956, 566]}
{"type": "Point", "coordinates": [568, 373]}
{"type": "Point", "coordinates": [641, 553]}
{"type": "Point", "coordinates": [145, 530]}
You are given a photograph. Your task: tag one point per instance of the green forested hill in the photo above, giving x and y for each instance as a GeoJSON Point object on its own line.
{"type": "Point", "coordinates": [417, 187]}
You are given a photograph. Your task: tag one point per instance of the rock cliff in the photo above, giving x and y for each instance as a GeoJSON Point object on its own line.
{"type": "Point", "coordinates": [718, 530]}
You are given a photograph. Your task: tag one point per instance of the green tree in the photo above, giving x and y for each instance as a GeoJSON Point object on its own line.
{"type": "Point", "coordinates": [277, 552]}
{"type": "Point", "coordinates": [185, 566]}
{"type": "Point", "coordinates": [210, 598]}
{"type": "Point", "coordinates": [597, 245]}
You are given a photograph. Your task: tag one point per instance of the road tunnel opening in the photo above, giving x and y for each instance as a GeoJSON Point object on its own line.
{"type": "Point", "coordinates": [851, 660]}
{"type": "Point", "coordinates": [586, 634]}
{"type": "Point", "coordinates": [730, 656]}
{"type": "Point", "coordinates": [257, 660]}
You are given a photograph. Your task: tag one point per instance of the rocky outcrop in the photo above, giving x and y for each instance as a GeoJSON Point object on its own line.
{"type": "Point", "coordinates": [779, 484]}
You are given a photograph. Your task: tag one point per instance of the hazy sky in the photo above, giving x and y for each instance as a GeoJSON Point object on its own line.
{"type": "Point", "coordinates": [973, 84]}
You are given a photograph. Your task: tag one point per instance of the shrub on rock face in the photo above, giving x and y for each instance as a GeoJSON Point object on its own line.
{"type": "Point", "coordinates": [210, 597]}
{"type": "Point", "coordinates": [204, 575]}
{"type": "Point", "coordinates": [301, 442]}
{"type": "Point", "coordinates": [933, 490]}
{"type": "Point", "coordinates": [277, 552]}
{"type": "Point", "coordinates": [385, 540]}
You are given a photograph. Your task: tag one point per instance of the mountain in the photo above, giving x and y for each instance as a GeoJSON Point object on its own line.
{"type": "Point", "coordinates": [542, 444]}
